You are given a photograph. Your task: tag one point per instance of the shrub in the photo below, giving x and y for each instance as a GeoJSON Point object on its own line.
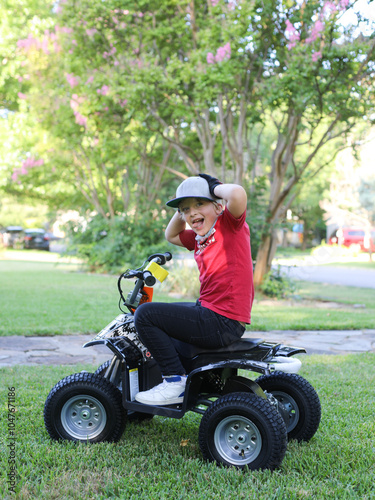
{"type": "Point", "coordinates": [183, 279]}
{"type": "Point", "coordinates": [277, 285]}
{"type": "Point", "coordinates": [112, 246]}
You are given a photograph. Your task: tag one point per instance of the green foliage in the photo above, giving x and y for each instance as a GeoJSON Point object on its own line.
{"type": "Point", "coordinates": [124, 96]}
{"type": "Point", "coordinates": [277, 285]}
{"type": "Point", "coordinates": [114, 245]}
{"type": "Point", "coordinates": [366, 196]}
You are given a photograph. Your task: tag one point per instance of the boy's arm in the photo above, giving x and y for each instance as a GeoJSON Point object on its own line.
{"type": "Point", "coordinates": [175, 227]}
{"type": "Point", "coordinates": [233, 194]}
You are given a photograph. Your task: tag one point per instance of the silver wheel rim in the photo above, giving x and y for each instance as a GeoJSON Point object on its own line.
{"type": "Point", "coordinates": [290, 406]}
{"type": "Point", "coordinates": [83, 417]}
{"type": "Point", "coordinates": [238, 440]}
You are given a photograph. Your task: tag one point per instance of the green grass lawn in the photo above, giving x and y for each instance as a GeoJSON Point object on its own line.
{"type": "Point", "coordinates": [47, 298]}
{"type": "Point", "coordinates": [150, 462]}
{"type": "Point", "coordinates": [317, 307]}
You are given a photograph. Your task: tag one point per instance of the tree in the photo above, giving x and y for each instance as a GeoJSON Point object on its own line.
{"type": "Point", "coordinates": [188, 86]}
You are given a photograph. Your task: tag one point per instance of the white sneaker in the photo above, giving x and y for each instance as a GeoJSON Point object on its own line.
{"type": "Point", "coordinates": [169, 392]}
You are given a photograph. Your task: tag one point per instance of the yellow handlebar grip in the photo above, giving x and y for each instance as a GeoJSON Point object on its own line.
{"type": "Point", "coordinates": [159, 272]}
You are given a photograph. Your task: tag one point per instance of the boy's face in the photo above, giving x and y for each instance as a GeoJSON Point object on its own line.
{"type": "Point", "coordinates": [199, 213]}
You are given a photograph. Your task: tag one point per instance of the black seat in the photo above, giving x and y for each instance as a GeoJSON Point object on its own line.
{"type": "Point", "coordinates": [190, 351]}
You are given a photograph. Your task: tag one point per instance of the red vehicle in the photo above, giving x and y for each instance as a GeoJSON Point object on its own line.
{"type": "Point", "coordinates": [348, 236]}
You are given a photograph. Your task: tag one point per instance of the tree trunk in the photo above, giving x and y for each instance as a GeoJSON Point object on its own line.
{"type": "Point", "coordinates": [265, 255]}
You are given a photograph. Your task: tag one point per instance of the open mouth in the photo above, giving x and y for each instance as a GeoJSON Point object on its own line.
{"type": "Point", "coordinates": [197, 224]}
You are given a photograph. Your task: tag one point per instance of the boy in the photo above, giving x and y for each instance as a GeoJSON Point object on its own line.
{"type": "Point", "coordinates": [220, 239]}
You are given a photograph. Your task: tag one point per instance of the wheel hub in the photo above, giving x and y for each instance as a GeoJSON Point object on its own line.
{"type": "Point", "coordinates": [238, 440]}
{"type": "Point", "coordinates": [290, 409]}
{"type": "Point", "coordinates": [83, 417]}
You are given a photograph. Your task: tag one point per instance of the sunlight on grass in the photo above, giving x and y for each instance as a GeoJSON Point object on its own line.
{"type": "Point", "coordinates": [149, 461]}
{"type": "Point", "coordinates": [46, 298]}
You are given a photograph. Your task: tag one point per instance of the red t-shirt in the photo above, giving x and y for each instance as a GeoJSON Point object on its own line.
{"type": "Point", "coordinates": [225, 267]}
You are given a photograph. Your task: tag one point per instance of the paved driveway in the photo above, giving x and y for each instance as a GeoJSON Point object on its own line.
{"type": "Point", "coordinates": [344, 276]}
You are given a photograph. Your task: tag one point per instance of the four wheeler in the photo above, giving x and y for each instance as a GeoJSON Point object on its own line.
{"type": "Point", "coordinates": [245, 423]}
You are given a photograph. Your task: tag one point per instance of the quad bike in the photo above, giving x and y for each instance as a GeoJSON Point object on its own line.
{"type": "Point", "coordinates": [245, 423]}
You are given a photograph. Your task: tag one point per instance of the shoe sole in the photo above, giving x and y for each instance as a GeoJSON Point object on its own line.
{"type": "Point", "coordinates": [174, 401]}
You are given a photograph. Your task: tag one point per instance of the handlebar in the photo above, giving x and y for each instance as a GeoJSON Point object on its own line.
{"type": "Point", "coordinates": [148, 278]}
{"type": "Point", "coordinates": [144, 277]}
{"type": "Point", "coordinates": [160, 258]}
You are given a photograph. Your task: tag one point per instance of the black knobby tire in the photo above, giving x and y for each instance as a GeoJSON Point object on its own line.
{"type": "Point", "coordinates": [243, 430]}
{"type": "Point", "coordinates": [300, 401]}
{"type": "Point", "coordinates": [103, 368]}
{"type": "Point", "coordinates": [132, 416]}
{"type": "Point", "coordinates": [84, 407]}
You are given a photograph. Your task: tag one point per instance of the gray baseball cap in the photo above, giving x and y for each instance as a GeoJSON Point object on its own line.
{"type": "Point", "coordinates": [192, 187]}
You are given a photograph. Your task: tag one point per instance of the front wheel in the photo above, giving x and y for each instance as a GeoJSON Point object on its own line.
{"type": "Point", "coordinates": [84, 407]}
{"type": "Point", "coordinates": [300, 402]}
{"type": "Point", "coordinates": [243, 430]}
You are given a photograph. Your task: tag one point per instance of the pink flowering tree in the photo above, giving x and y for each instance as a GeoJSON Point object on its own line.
{"type": "Point", "coordinates": [132, 95]}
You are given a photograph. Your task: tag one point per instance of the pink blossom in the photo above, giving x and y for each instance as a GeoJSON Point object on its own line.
{"type": "Point", "coordinates": [75, 101]}
{"type": "Point", "coordinates": [80, 120]}
{"type": "Point", "coordinates": [90, 79]}
{"type": "Point", "coordinates": [126, 12]}
{"type": "Point", "coordinates": [343, 4]}
{"type": "Point", "coordinates": [210, 58]}
{"type": "Point", "coordinates": [32, 162]}
{"type": "Point", "coordinates": [91, 31]}
{"type": "Point", "coordinates": [214, 2]}
{"type": "Point", "coordinates": [66, 29]}
{"type": "Point", "coordinates": [104, 90]}
{"type": "Point", "coordinates": [22, 96]}
{"type": "Point", "coordinates": [72, 80]}
{"type": "Point", "coordinates": [317, 28]}
{"type": "Point", "coordinates": [223, 52]}
{"type": "Point", "coordinates": [292, 34]}
{"type": "Point", "coordinates": [16, 173]}
{"type": "Point", "coordinates": [123, 103]}
{"type": "Point", "coordinates": [329, 7]}
{"type": "Point", "coordinates": [29, 163]}
{"type": "Point", "coordinates": [316, 56]}
{"type": "Point", "coordinates": [28, 43]}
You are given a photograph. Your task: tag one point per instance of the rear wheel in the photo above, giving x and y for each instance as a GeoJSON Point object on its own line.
{"type": "Point", "coordinates": [300, 402]}
{"type": "Point", "coordinates": [243, 430]}
{"type": "Point", "coordinates": [84, 407]}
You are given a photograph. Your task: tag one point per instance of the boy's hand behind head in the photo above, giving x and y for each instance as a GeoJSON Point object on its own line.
{"type": "Point", "coordinates": [212, 183]}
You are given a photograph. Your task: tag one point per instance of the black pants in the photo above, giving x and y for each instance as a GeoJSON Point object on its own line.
{"type": "Point", "coordinates": [189, 322]}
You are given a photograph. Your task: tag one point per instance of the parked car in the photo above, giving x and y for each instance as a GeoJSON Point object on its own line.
{"type": "Point", "coordinates": [36, 239]}
{"type": "Point", "coordinates": [348, 236]}
{"type": "Point", "coordinates": [12, 236]}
